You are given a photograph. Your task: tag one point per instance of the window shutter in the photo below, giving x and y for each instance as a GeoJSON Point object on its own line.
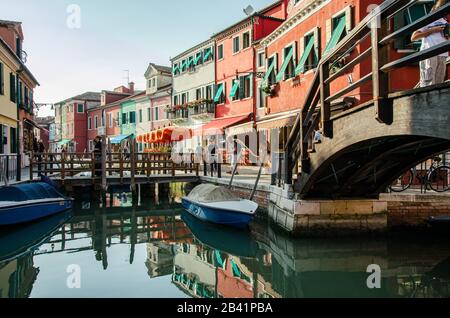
{"type": "Point", "coordinates": [241, 87]}
{"type": "Point", "coordinates": [329, 30]}
{"type": "Point", "coordinates": [348, 19]}
{"type": "Point", "coordinates": [317, 47]}
{"type": "Point", "coordinates": [2, 80]}
{"type": "Point", "coordinates": [12, 87]}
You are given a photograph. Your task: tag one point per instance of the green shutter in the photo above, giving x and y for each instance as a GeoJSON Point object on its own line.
{"type": "Point", "coordinates": [234, 89]}
{"type": "Point", "coordinates": [219, 93]}
{"type": "Point", "coordinates": [301, 65]}
{"type": "Point", "coordinates": [31, 102]}
{"type": "Point", "coordinates": [190, 61]}
{"type": "Point", "coordinates": [287, 60]}
{"type": "Point", "coordinates": [198, 58]}
{"type": "Point", "coordinates": [175, 69]}
{"type": "Point", "coordinates": [2, 80]}
{"type": "Point", "coordinates": [207, 54]}
{"type": "Point", "coordinates": [336, 36]}
{"type": "Point", "coordinates": [269, 71]}
{"type": "Point", "coordinates": [12, 87]}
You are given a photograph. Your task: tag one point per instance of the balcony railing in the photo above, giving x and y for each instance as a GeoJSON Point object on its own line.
{"type": "Point", "coordinates": [192, 110]}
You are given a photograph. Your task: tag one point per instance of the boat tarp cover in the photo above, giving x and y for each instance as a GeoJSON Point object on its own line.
{"type": "Point", "coordinates": [26, 192]}
{"type": "Point", "coordinates": [208, 193]}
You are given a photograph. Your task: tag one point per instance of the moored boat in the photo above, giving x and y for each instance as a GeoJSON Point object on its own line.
{"type": "Point", "coordinates": [29, 202]}
{"type": "Point", "coordinates": [219, 205]}
{"type": "Point", "coordinates": [441, 223]}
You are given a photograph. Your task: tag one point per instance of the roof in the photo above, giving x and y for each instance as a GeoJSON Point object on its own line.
{"type": "Point", "coordinates": [91, 96]}
{"type": "Point", "coordinates": [7, 22]}
{"type": "Point", "coordinates": [192, 49]}
{"type": "Point", "coordinates": [161, 68]}
{"type": "Point", "coordinates": [118, 102]}
{"type": "Point", "coordinates": [259, 13]}
{"type": "Point", "coordinates": [22, 64]}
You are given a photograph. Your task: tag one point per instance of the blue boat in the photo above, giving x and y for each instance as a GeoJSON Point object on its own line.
{"type": "Point", "coordinates": [29, 202]}
{"type": "Point", "coordinates": [233, 241]}
{"type": "Point", "coordinates": [21, 240]}
{"type": "Point", "coordinates": [219, 205]}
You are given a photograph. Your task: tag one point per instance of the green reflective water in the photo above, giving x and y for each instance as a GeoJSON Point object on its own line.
{"type": "Point", "coordinates": [148, 248]}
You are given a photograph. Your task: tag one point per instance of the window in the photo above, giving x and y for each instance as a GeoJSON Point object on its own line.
{"type": "Point", "coordinates": [175, 100]}
{"type": "Point", "coordinates": [220, 96]}
{"type": "Point", "coordinates": [103, 119]}
{"type": "Point", "coordinates": [12, 87]}
{"type": "Point", "coordinates": [91, 145]}
{"type": "Point", "coordinates": [132, 117]}
{"type": "Point", "coordinates": [309, 58]}
{"type": "Point", "coordinates": [2, 80]}
{"type": "Point", "coordinates": [270, 77]}
{"type": "Point", "coordinates": [149, 114]}
{"type": "Point", "coordinates": [246, 87]}
{"type": "Point", "coordinates": [220, 52]}
{"type": "Point", "coordinates": [175, 69]}
{"type": "Point", "coordinates": [208, 54]}
{"type": "Point", "coordinates": [287, 68]}
{"type": "Point", "coordinates": [154, 82]}
{"type": "Point", "coordinates": [96, 122]}
{"type": "Point", "coordinates": [19, 47]}
{"type": "Point", "coordinates": [235, 94]}
{"type": "Point", "coordinates": [110, 120]}
{"type": "Point", "coordinates": [198, 59]}
{"type": "Point", "coordinates": [90, 123]}
{"type": "Point", "coordinates": [338, 27]}
{"type": "Point", "coordinates": [245, 40]}
{"type": "Point", "coordinates": [184, 98]}
{"type": "Point", "coordinates": [209, 90]}
{"type": "Point", "coordinates": [261, 59]}
{"type": "Point", "coordinates": [80, 108]}
{"type": "Point", "coordinates": [156, 113]}
{"type": "Point", "coordinates": [140, 115]}
{"type": "Point", "coordinates": [261, 98]}
{"type": "Point", "coordinates": [198, 94]}
{"type": "Point", "coordinates": [124, 118]}
{"type": "Point", "coordinates": [236, 44]}
{"type": "Point", "coordinates": [118, 118]}
{"type": "Point", "coordinates": [408, 16]}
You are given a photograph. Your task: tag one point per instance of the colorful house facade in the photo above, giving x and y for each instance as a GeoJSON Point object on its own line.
{"type": "Point", "coordinates": [292, 52]}
{"type": "Point", "coordinates": [236, 69]}
{"type": "Point", "coordinates": [17, 86]}
{"type": "Point", "coordinates": [74, 120]}
{"type": "Point", "coordinates": [193, 88]}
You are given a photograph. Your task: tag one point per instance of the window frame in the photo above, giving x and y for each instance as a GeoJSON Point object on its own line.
{"type": "Point", "coordinates": [249, 40]}
{"type": "Point", "coordinates": [238, 38]}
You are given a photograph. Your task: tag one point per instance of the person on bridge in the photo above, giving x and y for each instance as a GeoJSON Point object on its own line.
{"type": "Point", "coordinates": [432, 70]}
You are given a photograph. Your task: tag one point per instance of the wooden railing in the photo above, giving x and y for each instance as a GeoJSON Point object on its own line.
{"type": "Point", "coordinates": [315, 112]}
{"type": "Point", "coordinates": [8, 168]}
{"type": "Point", "coordinates": [116, 164]}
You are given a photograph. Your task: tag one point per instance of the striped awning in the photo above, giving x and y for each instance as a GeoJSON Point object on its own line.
{"type": "Point", "coordinates": [279, 122]}
{"type": "Point", "coordinates": [240, 129]}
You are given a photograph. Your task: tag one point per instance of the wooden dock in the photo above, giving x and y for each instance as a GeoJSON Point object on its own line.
{"type": "Point", "coordinates": [90, 169]}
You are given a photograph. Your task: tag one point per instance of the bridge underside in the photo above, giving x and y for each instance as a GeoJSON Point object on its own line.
{"type": "Point", "coordinates": [367, 169]}
{"type": "Point", "coordinates": [365, 156]}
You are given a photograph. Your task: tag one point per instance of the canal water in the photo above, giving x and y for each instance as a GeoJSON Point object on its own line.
{"type": "Point", "coordinates": [148, 247]}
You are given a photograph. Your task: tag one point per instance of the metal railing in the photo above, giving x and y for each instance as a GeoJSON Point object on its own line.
{"type": "Point", "coordinates": [315, 114]}
{"type": "Point", "coordinates": [8, 168]}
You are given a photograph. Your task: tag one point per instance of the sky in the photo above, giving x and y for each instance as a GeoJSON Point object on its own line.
{"type": "Point", "coordinates": [113, 36]}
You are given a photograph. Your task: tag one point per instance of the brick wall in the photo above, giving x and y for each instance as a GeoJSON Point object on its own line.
{"type": "Point", "coordinates": [407, 213]}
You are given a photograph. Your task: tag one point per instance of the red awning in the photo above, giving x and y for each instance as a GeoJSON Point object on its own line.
{"type": "Point", "coordinates": [218, 126]}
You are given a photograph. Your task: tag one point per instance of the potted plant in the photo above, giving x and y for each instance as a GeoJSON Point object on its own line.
{"type": "Point", "coordinates": [269, 90]}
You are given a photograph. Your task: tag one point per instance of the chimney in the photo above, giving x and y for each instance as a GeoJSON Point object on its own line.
{"type": "Point", "coordinates": [131, 87]}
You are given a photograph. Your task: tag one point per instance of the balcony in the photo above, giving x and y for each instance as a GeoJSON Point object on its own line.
{"type": "Point", "coordinates": [198, 110]}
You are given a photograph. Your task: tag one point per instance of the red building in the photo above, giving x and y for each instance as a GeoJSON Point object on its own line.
{"type": "Point", "coordinates": [105, 118]}
{"type": "Point", "coordinates": [313, 28]}
{"type": "Point", "coordinates": [236, 64]}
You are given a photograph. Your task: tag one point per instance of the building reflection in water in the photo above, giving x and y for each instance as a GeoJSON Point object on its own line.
{"type": "Point", "coordinates": [205, 261]}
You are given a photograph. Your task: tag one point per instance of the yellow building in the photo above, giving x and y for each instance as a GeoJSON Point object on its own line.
{"type": "Point", "coordinates": [16, 87]}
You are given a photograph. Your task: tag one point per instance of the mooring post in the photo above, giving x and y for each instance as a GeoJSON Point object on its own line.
{"type": "Point", "coordinates": [104, 182]}
{"type": "Point", "coordinates": [133, 165]}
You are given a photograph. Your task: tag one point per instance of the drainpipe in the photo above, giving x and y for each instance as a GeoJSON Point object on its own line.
{"type": "Point", "coordinates": [19, 156]}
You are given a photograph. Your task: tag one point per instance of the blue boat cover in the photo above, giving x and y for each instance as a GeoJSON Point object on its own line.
{"type": "Point", "coordinates": [29, 191]}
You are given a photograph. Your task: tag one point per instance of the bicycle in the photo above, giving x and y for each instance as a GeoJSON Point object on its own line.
{"type": "Point", "coordinates": [437, 178]}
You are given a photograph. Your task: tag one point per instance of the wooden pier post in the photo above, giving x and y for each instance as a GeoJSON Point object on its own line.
{"type": "Point", "coordinates": [104, 181]}
{"type": "Point", "coordinates": [133, 165]}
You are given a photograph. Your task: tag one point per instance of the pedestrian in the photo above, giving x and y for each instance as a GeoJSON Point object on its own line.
{"type": "Point", "coordinates": [432, 70]}
{"type": "Point", "coordinates": [98, 156]}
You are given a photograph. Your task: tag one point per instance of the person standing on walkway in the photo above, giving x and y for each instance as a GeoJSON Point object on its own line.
{"type": "Point", "coordinates": [98, 156]}
{"type": "Point", "coordinates": [433, 70]}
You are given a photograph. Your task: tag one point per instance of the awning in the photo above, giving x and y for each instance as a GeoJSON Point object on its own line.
{"type": "Point", "coordinates": [287, 60]}
{"type": "Point", "coordinates": [336, 36]}
{"type": "Point", "coordinates": [64, 142]}
{"type": "Point", "coordinates": [183, 66]}
{"type": "Point", "coordinates": [197, 58]}
{"type": "Point", "coordinates": [301, 65]}
{"type": "Point", "coordinates": [118, 139]}
{"type": "Point", "coordinates": [269, 71]}
{"type": "Point", "coordinates": [190, 61]}
{"type": "Point", "coordinates": [241, 129]}
{"type": "Point", "coordinates": [31, 123]}
{"type": "Point", "coordinates": [218, 126]}
{"type": "Point", "coordinates": [279, 122]}
{"type": "Point", "coordinates": [175, 69]}
{"type": "Point", "coordinates": [175, 134]}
